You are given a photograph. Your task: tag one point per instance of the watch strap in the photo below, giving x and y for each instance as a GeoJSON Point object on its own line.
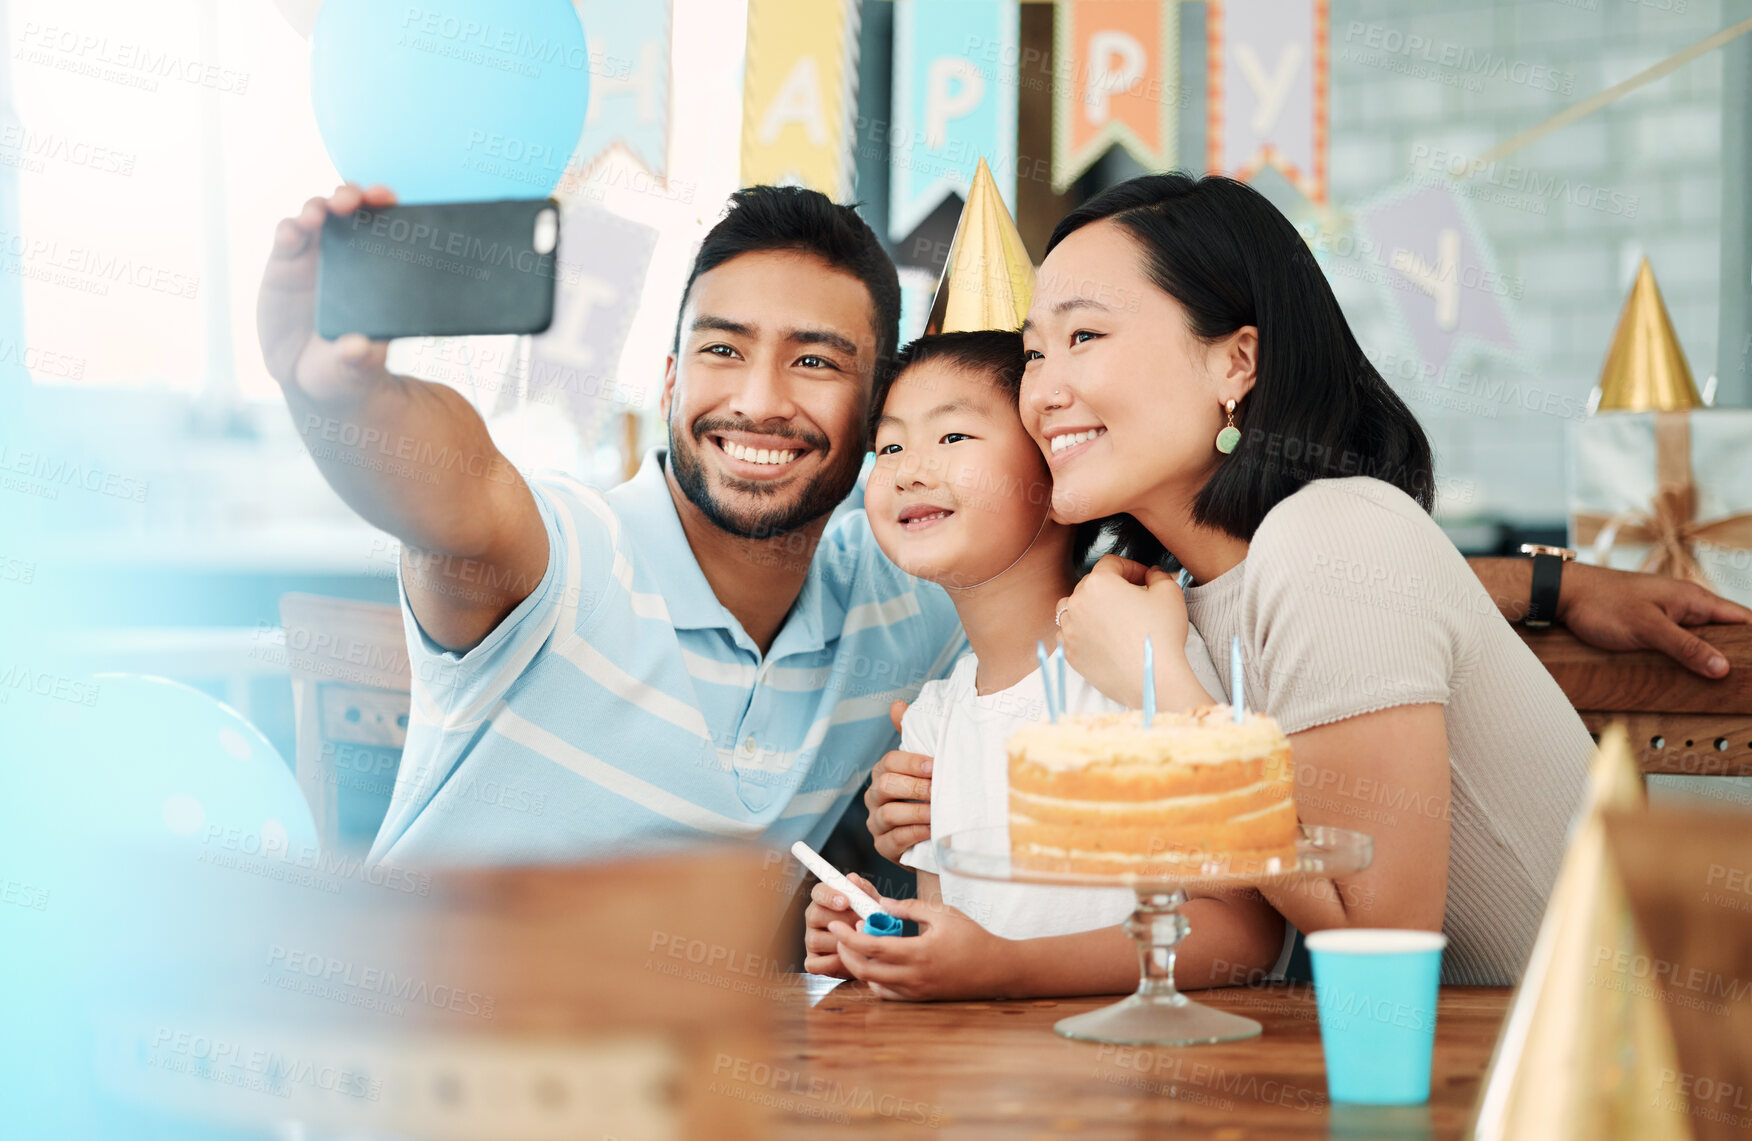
{"type": "Point", "coordinates": [1547, 581]}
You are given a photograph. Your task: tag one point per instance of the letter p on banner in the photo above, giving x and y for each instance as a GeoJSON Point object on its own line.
{"type": "Point", "coordinates": [1118, 83]}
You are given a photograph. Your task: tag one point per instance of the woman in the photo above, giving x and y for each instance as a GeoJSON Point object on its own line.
{"type": "Point", "coordinates": [1170, 309]}
{"type": "Point", "coordinates": [1417, 715]}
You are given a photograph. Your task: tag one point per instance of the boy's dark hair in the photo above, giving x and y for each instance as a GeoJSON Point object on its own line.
{"type": "Point", "coordinates": [761, 218]}
{"type": "Point", "coordinates": [1231, 259]}
{"type": "Point", "coordinates": [993, 354]}
{"type": "Point", "coordinates": [996, 356]}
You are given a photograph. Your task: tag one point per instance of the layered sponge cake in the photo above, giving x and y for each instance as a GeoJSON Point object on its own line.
{"type": "Point", "coordinates": [1098, 793]}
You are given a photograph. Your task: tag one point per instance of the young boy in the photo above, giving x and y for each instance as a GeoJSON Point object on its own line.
{"type": "Point", "coordinates": [960, 495]}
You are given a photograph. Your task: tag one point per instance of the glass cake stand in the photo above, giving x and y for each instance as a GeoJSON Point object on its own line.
{"type": "Point", "coordinates": [1159, 1015]}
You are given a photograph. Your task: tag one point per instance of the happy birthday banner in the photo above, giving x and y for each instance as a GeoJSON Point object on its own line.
{"type": "Point", "coordinates": [1432, 261]}
{"type": "Point", "coordinates": [1116, 82]}
{"type": "Point", "coordinates": [799, 94]}
{"type": "Point", "coordinates": [1433, 266]}
{"type": "Point", "coordinates": [599, 273]}
{"type": "Point", "coordinates": [1266, 97]}
{"type": "Point", "coordinates": [629, 82]}
{"type": "Point", "coordinates": [955, 68]}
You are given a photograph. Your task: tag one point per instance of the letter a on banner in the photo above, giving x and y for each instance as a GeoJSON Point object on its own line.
{"type": "Point", "coordinates": [1118, 82]}
{"type": "Point", "coordinates": [799, 93]}
{"type": "Point", "coordinates": [955, 67]}
{"type": "Point", "coordinates": [1267, 90]}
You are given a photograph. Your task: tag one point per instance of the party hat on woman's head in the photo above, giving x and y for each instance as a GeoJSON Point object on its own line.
{"type": "Point", "coordinates": [988, 280]}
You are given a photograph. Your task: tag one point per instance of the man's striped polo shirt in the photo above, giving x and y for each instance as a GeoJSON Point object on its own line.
{"type": "Point", "coordinates": [620, 708]}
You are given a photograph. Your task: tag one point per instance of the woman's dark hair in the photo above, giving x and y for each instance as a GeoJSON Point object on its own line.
{"type": "Point", "coordinates": [763, 218]}
{"type": "Point", "coordinates": [991, 354]}
{"type": "Point", "coordinates": [1318, 408]}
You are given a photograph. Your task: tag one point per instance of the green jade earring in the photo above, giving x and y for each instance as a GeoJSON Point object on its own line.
{"type": "Point", "coordinates": [1231, 435]}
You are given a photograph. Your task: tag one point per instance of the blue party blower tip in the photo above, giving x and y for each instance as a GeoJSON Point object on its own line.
{"type": "Point", "coordinates": [876, 921]}
{"type": "Point", "coordinates": [882, 923]}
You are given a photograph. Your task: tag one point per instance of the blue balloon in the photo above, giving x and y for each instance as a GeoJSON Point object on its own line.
{"type": "Point", "coordinates": [121, 792]}
{"type": "Point", "coordinates": [126, 760]}
{"type": "Point", "coordinates": [450, 100]}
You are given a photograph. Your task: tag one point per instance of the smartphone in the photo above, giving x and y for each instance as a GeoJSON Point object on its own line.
{"type": "Point", "coordinates": [446, 269]}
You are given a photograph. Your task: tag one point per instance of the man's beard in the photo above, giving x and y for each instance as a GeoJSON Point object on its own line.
{"type": "Point", "coordinates": [816, 498]}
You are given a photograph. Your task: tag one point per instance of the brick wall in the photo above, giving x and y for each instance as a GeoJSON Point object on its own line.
{"type": "Point", "coordinates": [1643, 176]}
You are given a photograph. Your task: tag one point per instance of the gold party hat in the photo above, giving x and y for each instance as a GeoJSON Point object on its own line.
{"type": "Point", "coordinates": [988, 280]}
{"type": "Point", "coordinates": [1645, 368]}
{"type": "Point", "coordinates": [1581, 1052]}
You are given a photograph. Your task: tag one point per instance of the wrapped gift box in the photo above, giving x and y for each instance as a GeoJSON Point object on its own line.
{"type": "Point", "coordinates": [1667, 492]}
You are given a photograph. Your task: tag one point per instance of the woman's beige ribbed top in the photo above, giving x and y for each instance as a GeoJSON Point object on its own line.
{"type": "Point", "coordinates": [1352, 600]}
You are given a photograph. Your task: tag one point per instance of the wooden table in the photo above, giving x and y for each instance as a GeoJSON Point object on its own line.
{"type": "Point", "coordinates": [846, 1064]}
{"type": "Point", "coordinates": [1680, 724]}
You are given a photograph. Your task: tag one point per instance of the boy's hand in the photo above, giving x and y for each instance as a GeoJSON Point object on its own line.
{"type": "Point", "coordinates": [899, 798]}
{"type": "Point", "coordinates": [951, 958]}
{"type": "Point", "coordinates": [296, 356]}
{"type": "Point", "coordinates": [826, 905]}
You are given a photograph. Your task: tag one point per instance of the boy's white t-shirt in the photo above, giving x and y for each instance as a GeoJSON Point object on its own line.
{"type": "Point", "coordinates": [970, 788]}
{"type": "Point", "coordinates": [965, 734]}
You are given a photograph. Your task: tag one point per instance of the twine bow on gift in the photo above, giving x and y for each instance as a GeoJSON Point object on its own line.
{"type": "Point", "coordinates": [1667, 526]}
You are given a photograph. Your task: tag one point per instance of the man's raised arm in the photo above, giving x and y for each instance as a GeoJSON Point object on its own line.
{"type": "Point", "coordinates": [411, 457]}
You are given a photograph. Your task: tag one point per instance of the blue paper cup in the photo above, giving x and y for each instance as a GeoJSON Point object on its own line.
{"type": "Point", "coordinates": [1376, 992]}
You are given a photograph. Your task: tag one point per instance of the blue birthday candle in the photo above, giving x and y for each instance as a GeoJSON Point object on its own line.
{"type": "Point", "coordinates": [1237, 698]}
{"type": "Point", "coordinates": [1149, 682]}
{"type": "Point", "coordinates": [1058, 655]}
{"type": "Point", "coordinates": [1046, 682]}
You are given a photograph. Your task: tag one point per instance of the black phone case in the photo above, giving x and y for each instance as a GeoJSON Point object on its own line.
{"type": "Point", "coordinates": [451, 269]}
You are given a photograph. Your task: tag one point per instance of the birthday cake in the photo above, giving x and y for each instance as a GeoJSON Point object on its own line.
{"type": "Point", "coordinates": [1099, 793]}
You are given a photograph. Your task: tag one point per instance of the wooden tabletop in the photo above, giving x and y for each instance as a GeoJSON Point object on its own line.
{"type": "Point", "coordinates": [1644, 681]}
{"type": "Point", "coordinates": [1679, 723]}
{"type": "Point", "coordinates": [846, 1064]}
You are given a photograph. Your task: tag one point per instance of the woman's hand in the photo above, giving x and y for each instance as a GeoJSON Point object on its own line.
{"type": "Point", "coordinates": [827, 906]}
{"type": "Point", "coordinates": [951, 958]}
{"type": "Point", "coordinates": [1103, 623]}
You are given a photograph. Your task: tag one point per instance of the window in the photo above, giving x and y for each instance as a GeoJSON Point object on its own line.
{"type": "Point", "coordinates": [156, 145]}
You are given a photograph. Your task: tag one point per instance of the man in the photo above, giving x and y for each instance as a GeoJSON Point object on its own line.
{"type": "Point", "coordinates": [693, 655]}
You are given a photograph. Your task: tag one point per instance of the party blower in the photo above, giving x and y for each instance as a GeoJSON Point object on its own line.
{"type": "Point", "coordinates": [876, 921]}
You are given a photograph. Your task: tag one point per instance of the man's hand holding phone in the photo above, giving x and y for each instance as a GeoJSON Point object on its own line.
{"type": "Point", "coordinates": [323, 371]}
{"type": "Point", "coordinates": [411, 457]}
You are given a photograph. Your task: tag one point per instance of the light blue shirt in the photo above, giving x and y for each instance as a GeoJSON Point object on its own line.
{"type": "Point", "coordinates": [621, 709]}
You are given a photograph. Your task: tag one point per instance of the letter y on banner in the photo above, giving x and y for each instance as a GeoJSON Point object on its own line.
{"type": "Point", "coordinates": [1267, 90]}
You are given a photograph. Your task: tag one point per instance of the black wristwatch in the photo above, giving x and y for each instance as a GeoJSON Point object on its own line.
{"type": "Point", "coordinates": [1547, 581]}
